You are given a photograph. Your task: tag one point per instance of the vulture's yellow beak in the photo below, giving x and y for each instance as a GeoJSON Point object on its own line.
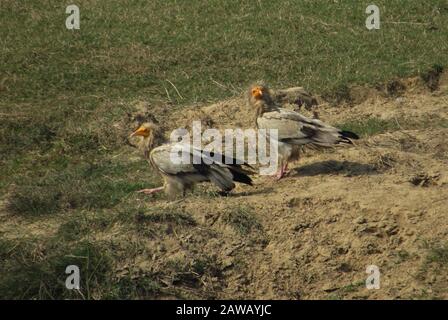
{"type": "Point", "coordinates": [142, 131]}
{"type": "Point", "coordinates": [257, 93]}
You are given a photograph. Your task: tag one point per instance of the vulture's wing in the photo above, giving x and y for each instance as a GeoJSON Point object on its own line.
{"type": "Point", "coordinates": [210, 166]}
{"type": "Point", "coordinates": [161, 158]}
{"type": "Point", "coordinates": [297, 129]}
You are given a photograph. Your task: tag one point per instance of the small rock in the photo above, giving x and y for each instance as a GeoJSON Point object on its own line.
{"type": "Point", "coordinates": [360, 220]}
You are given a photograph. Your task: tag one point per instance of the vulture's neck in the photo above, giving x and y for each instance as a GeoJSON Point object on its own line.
{"type": "Point", "coordinates": [149, 143]}
{"type": "Point", "coordinates": [264, 106]}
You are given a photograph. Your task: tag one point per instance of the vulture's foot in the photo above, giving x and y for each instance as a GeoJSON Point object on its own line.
{"type": "Point", "coordinates": [151, 191]}
{"type": "Point", "coordinates": [279, 175]}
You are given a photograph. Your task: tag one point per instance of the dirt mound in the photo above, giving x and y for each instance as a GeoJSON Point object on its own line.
{"type": "Point", "coordinates": [312, 235]}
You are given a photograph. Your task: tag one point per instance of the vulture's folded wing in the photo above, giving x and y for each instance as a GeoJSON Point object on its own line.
{"type": "Point", "coordinates": [161, 158]}
{"type": "Point", "coordinates": [195, 161]}
{"type": "Point", "coordinates": [297, 129]}
{"type": "Point", "coordinates": [222, 172]}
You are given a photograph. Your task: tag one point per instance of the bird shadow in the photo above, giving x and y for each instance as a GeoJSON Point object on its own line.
{"type": "Point", "coordinates": [347, 168]}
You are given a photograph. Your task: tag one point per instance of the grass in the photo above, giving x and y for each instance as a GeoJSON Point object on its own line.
{"type": "Point", "coordinates": [438, 255]}
{"type": "Point", "coordinates": [246, 224]}
{"type": "Point", "coordinates": [65, 97]}
{"type": "Point", "coordinates": [81, 225]}
{"type": "Point", "coordinates": [433, 269]}
{"type": "Point", "coordinates": [85, 186]}
{"type": "Point", "coordinates": [44, 278]}
{"type": "Point", "coordinates": [432, 76]}
{"type": "Point", "coordinates": [178, 218]}
{"type": "Point", "coordinates": [242, 220]}
{"type": "Point", "coordinates": [342, 292]}
{"type": "Point", "coordinates": [321, 45]}
{"type": "Point", "coordinates": [369, 127]}
{"type": "Point", "coordinates": [372, 126]}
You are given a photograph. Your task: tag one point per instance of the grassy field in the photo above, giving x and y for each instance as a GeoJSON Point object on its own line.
{"type": "Point", "coordinates": [62, 91]}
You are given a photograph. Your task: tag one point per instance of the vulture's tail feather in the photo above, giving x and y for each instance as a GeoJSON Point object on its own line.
{"type": "Point", "coordinates": [349, 135]}
{"type": "Point", "coordinates": [239, 176]}
{"type": "Point", "coordinates": [221, 180]}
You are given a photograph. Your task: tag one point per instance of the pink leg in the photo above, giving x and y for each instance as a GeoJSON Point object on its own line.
{"type": "Point", "coordinates": [281, 173]}
{"type": "Point", "coordinates": [151, 191]}
{"type": "Point", "coordinates": [283, 170]}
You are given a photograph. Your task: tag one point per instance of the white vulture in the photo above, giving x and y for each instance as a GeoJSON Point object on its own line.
{"type": "Point", "coordinates": [294, 129]}
{"type": "Point", "coordinates": [179, 177]}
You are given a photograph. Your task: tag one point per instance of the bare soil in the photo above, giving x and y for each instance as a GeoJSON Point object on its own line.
{"type": "Point", "coordinates": [381, 202]}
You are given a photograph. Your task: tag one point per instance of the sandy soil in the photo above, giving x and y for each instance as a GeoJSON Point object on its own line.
{"type": "Point", "coordinates": [381, 202]}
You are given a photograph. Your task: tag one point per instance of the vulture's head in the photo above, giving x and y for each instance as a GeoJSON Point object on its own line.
{"type": "Point", "coordinates": [260, 98]}
{"type": "Point", "coordinates": [145, 130]}
{"type": "Point", "coordinates": [257, 92]}
{"type": "Point", "coordinates": [150, 136]}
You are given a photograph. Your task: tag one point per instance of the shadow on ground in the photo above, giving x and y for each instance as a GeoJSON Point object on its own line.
{"type": "Point", "coordinates": [347, 168]}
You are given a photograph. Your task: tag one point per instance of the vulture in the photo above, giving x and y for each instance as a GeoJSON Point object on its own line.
{"type": "Point", "coordinates": [179, 177]}
{"type": "Point", "coordinates": [294, 129]}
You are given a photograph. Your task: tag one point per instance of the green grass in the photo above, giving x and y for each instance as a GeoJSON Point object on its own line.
{"type": "Point", "coordinates": [65, 98]}
{"type": "Point", "coordinates": [438, 255]}
{"type": "Point", "coordinates": [342, 292]}
{"type": "Point", "coordinates": [82, 225]}
{"type": "Point", "coordinates": [84, 186]}
{"type": "Point", "coordinates": [25, 277]}
{"type": "Point", "coordinates": [433, 269]}
{"type": "Point", "coordinates": [372, 126]}
{"type": "Point", "coordinates": [134, 48]}
{"type": "Point", "coordinates": [242, 220]}
{"type": "Point", "coordinates": [160, 216]}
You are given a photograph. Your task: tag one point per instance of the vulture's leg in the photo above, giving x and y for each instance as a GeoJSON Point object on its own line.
{"type": "Point", "coordinates": [283, 171]}
{"type": "Point", "coordinates": [280, 172]}
{"type": "Point", "coordinates": [151, 191]}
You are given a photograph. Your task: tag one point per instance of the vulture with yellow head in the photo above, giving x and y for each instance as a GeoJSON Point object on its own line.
{"type": "Point", "coordinates": [180, 176]}
{"type": "Point", "coordinates": [294, 129]}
